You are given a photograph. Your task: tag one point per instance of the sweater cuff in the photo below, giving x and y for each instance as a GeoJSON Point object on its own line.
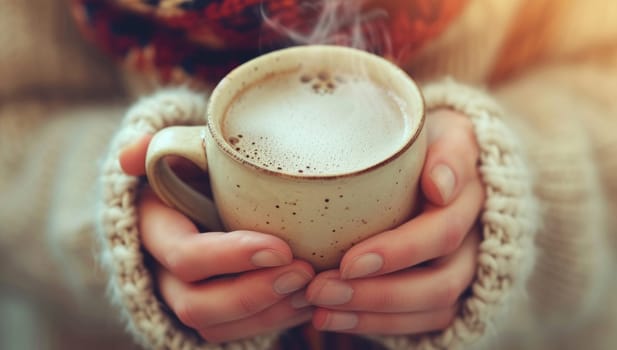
{"type": "Point", "coordinates": [131, 284]}
{"type": "Point", "coordinates": [509, 222]}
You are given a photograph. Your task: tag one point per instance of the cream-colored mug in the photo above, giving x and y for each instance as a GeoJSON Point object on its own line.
{"type": "Point", "coordinates": [321, 146]}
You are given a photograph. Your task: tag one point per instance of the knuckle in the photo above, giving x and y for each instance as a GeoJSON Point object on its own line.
{"type": "Point", "coordinates": [249, 304]}
{"type": "Point", "coordinates": [448, 293]}
{"type": "Point", "coordinates": [452, 234]}
{"type": "Point", "coordinates": [213, 336]}
{"type": "Point", "coordinates": [185, 312]}
{"type": "Point", "coordinates": [243, 238]}
{"type": "Point", "coordinates": [177, 261]}
{"type": "Point", "coordinates": [248, 297]}
{"type": "Point", "coordinates": [277, 315]}
{"type": "Point", "coordinates": [459, 145]}
{"type": "Point", "coordinates": [385, 300]}
{"type": "Point", "coordinates": [444, 319]}
{"type": "Point", "coordinates": [173, 259]}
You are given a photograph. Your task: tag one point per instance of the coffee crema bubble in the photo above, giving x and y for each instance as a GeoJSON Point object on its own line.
{"type": "Point", "coordinates": [316, 123]}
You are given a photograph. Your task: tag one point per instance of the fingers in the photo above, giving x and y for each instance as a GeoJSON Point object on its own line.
{"type": "Point", "coordinates": [451, 157]}
{"type": "Point", "coordinates": [437, 286]}
{"type": "Point", "coordinates": [414, 301]}
{"type": "Point", "coordinates": [282, 315]}
{"type": "Point", "coordinates": [133, 157]}
{"type": "Point", "coordinates": [449, 177]}
{"type": "Point", "coordinates": [211, 303]}
{"type": "Point", "coordinates": [173, 240]}
{"type": "Point", "coordinates": [375, 323]}
{"type": "Point", "coordinates": [436, 232]}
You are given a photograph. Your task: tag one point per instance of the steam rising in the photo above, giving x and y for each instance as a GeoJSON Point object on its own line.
{"type": "Point", "coordinates": [341, 22]}
{"type": "Point", "coordinates": [333, 122]}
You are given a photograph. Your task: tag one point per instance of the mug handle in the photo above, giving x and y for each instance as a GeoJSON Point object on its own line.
{"type": "Point", "coordinates": [185, 142]}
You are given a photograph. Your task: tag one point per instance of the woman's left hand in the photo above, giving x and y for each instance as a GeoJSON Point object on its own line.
{"type": "Point", "coordinates": [410, 279]}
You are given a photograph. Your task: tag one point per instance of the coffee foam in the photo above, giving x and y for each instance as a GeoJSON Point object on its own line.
{"type": "Point", "coordinates": [316, 123]}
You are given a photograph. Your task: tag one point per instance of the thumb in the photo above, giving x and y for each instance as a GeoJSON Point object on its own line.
{"type": "Point", "coordinates": [451, 156]}
{"type": "Point", "coordinates": [439, 184]}
{"type": "Point", "coordinates": [132, 160]}
{"type": "Point", "coordinates": [133, 157]}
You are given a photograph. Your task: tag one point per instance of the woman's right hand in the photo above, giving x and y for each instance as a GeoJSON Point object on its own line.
{"type": "Point", "coordinates": [226, 286]}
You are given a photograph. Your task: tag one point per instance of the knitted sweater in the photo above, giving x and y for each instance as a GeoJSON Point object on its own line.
{"type": "Point", "coordinates": [544, 120]}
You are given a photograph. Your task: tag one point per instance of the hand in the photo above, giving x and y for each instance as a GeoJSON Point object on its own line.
{"type": "Point", "coordinates": [409, 280]}
{"type": "Point", "coordinates": [226, 286]}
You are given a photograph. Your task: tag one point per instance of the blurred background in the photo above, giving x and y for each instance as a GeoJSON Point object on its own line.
{"type": "Point", "coordinates": [51, 288]}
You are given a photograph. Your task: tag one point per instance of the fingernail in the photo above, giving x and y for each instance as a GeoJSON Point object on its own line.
{"type": "Point", "coordinates": [299, 301]}
{"type": "Point", "coordinates": [290, 282]}
{"type": "Point", "coordinates": [268, 258]}
{"type": "Point", "coordinates": [333, 292]}
{"type": "Point", "coordinates": [363, 265]}
{"type": "Point", "coordinates": [339, 321]}
{"type": "Point", "coordinates": [443, 177]}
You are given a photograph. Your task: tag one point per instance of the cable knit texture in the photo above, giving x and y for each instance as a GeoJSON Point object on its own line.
{"type": "Point", "coordinates": [131, 285]}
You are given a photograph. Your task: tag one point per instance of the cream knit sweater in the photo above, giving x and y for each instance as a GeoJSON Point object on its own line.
{"type": "Point", "coordinates": [547, 138]}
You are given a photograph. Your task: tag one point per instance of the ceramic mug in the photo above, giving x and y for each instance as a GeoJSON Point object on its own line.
{"type": "Point", "coordinates": [320, 214]}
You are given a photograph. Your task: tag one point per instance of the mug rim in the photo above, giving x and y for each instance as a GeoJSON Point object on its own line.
{"type": "Point", "coordinates": [229, 151]}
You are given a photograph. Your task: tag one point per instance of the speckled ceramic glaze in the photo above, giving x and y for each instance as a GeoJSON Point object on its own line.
{"type": "Point", "coordinates": [319, 215]}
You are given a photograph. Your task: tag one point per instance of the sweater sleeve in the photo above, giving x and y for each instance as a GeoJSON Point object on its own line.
{"type": "Point", "coordinates": [131, 284]}
{"type": "Point", "coordinates": [49, 154]}
{"type": "Point", "coordinates": [509, 221]}
{"type": "Point", "coordinates": [566, 115]}
{"type": "Point", "coordinates": [544, 265]}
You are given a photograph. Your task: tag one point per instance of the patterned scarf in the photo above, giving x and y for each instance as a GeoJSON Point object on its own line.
{"type": "Point", "coordinates": [202, 40]}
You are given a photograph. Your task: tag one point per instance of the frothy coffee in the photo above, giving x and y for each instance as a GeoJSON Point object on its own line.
{"type": "Point", "coordinates": [316, 123]}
